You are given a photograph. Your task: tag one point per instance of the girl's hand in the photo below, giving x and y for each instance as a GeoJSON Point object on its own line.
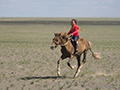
{"type": "Point", "coordinates": [71, 34]}
{"type": "Point", "coordinates": [82, 29]}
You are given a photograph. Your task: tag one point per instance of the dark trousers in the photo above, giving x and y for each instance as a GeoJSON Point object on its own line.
{"type": "Point", "coordinates": [75, 38]}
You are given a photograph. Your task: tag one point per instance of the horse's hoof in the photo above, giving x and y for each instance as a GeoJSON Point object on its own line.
{"type": "Point", "coordinates": [75, 75]}
{"type": "Point", "coordinates": [73, 66]}
{"type": "Point", "coordinates": [58, 74]}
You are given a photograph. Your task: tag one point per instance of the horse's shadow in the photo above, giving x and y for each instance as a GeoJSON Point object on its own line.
{"type": "Point", "coordinates": [46, 77]}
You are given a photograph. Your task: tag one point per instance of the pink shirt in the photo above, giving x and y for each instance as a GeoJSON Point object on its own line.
{"type": "Point", "coordinates": [74, 30]}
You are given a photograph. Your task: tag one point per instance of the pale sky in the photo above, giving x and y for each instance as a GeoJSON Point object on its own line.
{"type": "Point", "coordinates": [59, 8]}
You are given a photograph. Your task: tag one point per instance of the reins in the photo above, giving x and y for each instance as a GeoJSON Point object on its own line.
{"type": "Point", "coordinates": [66, 42]}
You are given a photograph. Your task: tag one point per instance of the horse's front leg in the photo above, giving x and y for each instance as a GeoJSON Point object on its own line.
{"type": "Point", "coordinates": [69, 62]}
{"type": "Point", "coordinates": [58, 65]}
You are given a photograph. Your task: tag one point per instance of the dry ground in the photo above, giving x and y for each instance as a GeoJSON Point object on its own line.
{"type": "Point", "coordinates": [28, 63]}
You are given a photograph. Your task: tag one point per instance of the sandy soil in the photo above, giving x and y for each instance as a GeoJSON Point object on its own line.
{"type": "Point", "coordinates": [28, 63]}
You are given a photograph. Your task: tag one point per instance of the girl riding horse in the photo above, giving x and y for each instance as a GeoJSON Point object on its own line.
{"type": "Point", "coordinates": [74, 32]}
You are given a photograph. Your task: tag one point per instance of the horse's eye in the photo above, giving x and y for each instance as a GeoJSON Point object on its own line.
{"type": "Point", "coordinates": [63, 37]}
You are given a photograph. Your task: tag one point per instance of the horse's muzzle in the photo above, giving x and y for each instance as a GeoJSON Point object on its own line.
{"type": "Point", "coordinates": [52, 47]}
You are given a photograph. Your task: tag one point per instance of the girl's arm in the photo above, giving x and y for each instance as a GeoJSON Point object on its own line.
{"type": "Point", "coordinates": [76, 30]}
{"type": "Point", "coordinates": [69, 32]}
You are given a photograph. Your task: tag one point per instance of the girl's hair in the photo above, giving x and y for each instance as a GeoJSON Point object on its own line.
{"type": "Point", "coordinates": [74, 20]}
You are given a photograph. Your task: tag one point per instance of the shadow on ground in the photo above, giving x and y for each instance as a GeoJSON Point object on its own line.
{"type": "Point", "coordinates": [46, 77]}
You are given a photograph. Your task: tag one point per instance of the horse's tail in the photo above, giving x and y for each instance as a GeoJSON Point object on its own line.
{"type": "Point", "coordinates": [95, 55]}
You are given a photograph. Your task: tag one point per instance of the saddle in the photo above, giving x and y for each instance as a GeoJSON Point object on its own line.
{"type": "Point", "coordinates": [72, 41]}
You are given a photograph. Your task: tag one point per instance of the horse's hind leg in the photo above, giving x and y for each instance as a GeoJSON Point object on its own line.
{"type": "Point", "coordinates": [78, 69]}
{"type": "Point", "coordinates": [80, 65]}
{"type": "Point", "coordinates": [84, 58]}
{"type": "Point", "coordinates": [71, 58]}
{"type": "Point", "coordinates": [58, 65]}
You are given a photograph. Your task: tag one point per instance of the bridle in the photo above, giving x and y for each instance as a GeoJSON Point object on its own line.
{"type": "Point", "coordinates": [62, 44]}
{"type": "Point", "coordinates": [55, 42]}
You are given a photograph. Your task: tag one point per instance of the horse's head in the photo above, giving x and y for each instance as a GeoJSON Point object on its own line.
{"type": "Point", "coordinates": [59, 39]}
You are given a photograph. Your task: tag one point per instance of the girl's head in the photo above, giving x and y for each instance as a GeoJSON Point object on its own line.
{"type": "Point", "coordinates": [73, 22]}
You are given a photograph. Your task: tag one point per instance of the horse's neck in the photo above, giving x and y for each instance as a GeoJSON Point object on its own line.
{"type": "Point", "coordinates": [68, 47]}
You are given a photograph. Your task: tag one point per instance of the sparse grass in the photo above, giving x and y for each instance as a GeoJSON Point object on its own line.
{"type": "Point", "coordinates": [32, 82]}
{"type": "Point", "coordinates": [61, 87]}
{"type": "Point", "coordinates": [76, 83]}
{"type": "Point", "coordinates": [27, 63]}
{"type": "Point", "coordinates": [12, 85]}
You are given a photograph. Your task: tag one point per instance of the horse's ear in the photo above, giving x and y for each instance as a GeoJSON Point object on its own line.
{"type": "Point", "coordinates": [55, 34]}
{"type": "Point", "coordinates": [59, 33]}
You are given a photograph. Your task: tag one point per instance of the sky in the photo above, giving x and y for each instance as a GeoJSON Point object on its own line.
{"type": "Point", "coordinates": [59, 8]}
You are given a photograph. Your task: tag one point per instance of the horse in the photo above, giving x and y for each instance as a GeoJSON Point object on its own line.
{"type": "Point", "coordinates": [68, 51]}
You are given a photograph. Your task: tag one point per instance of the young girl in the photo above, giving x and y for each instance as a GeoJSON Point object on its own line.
{"type": "Point", "coordinates": [74, 31]}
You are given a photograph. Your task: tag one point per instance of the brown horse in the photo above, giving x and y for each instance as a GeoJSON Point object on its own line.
{"type": "Point", "coordinates": [68, 51]}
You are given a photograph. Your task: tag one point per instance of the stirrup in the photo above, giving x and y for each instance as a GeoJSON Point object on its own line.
{"type": "Point", "coordinates": [77, 46]}
{"type": "Point", "coordinates": [76, 50]}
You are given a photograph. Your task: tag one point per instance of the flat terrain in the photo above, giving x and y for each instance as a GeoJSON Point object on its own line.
{"type": "Point", "coordinates": [28, 63]}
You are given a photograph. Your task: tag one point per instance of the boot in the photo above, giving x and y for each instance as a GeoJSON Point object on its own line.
{"type": "Point", "coordinates": [77, 48]}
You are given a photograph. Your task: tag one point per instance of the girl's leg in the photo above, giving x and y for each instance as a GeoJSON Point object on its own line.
{"type": "Point", "coordinates": [75, 41]}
